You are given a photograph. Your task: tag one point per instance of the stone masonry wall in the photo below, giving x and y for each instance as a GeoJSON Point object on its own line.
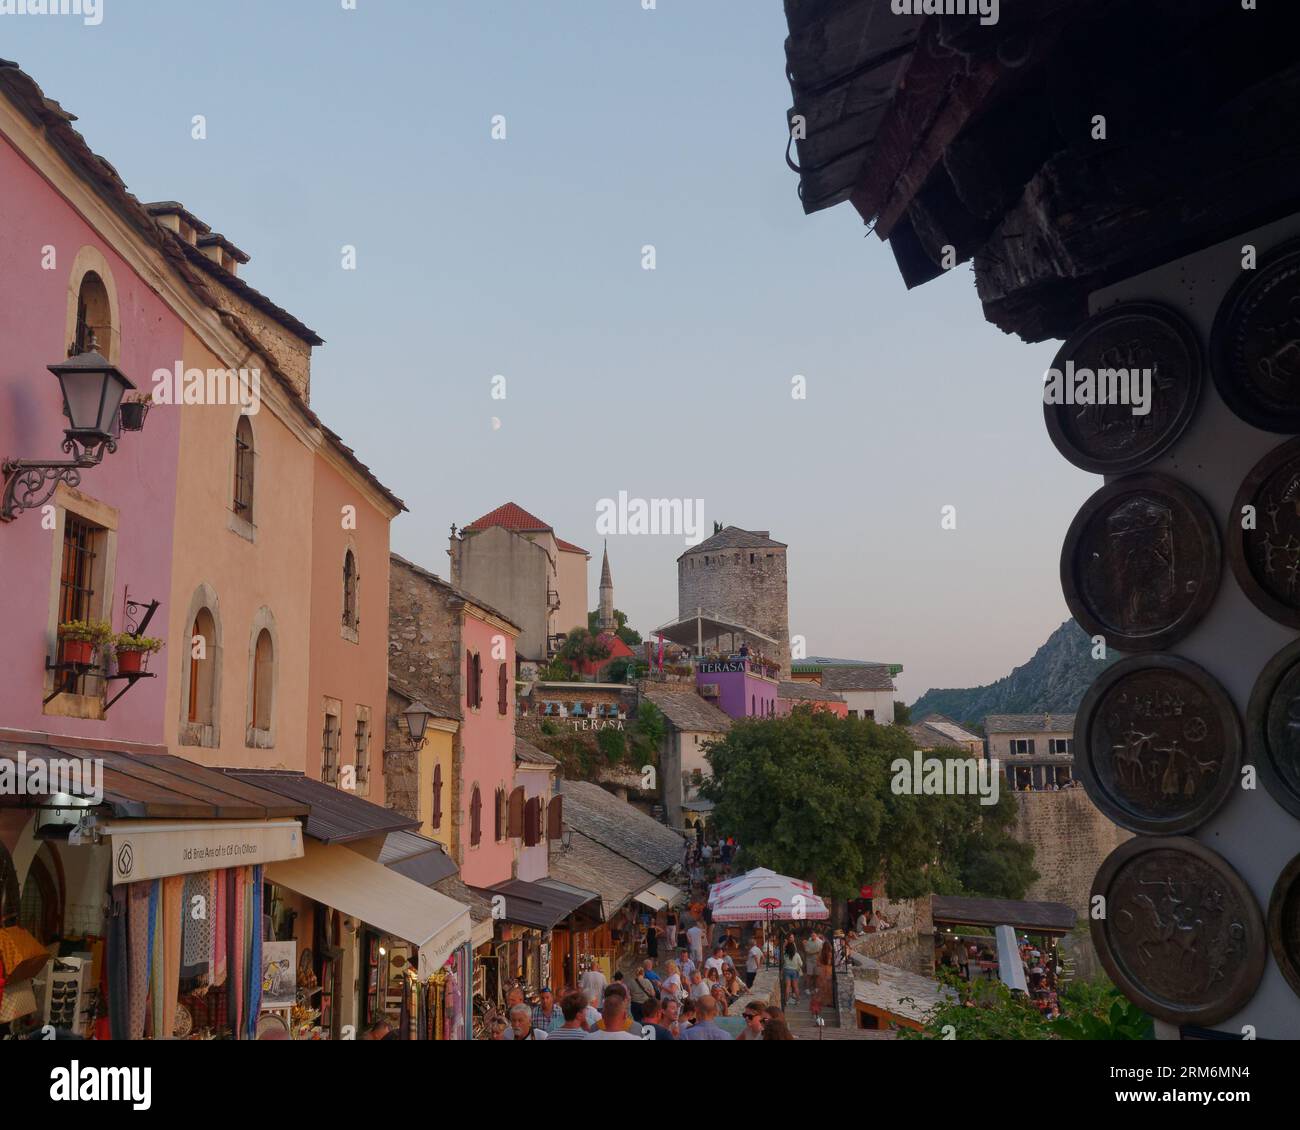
{"type": "Point", "coordinates": [734, 588]}
{"type": "Point", "coordinates": [1070, 838]}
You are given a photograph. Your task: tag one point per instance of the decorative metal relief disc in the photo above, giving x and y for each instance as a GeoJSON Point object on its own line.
{"type": "Point", "coordinates": [1159, 353]}
{"type": "Point", "coordinates": [1264, 540]}
{"type": "Point", "coordinates": [1157, 744]}
{"type": "Point", "coordinates": [1284, 923]}
{"type": "Point", "coordinates": [1141, 563]}
{"type": "Point", "coordinates": [1273, 727]}
{"type": "Point", "coordinates": [1255, 343]}
{"type": "Point", "coordinates": [1182, 936]}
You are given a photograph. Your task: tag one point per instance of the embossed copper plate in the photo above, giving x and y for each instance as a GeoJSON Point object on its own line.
{"type": "Point", "coordinates": [1273, 727]}
{"type": "Point", "coordinates": [1284, 923]}
{"type": "Point", "coordinates": [1182, 936]}
{"type": "Point", "coordinates": [1110, 438]}
{"type": "Point", "coordinates": [1141, 562]}
{"type": "Point", "coordinates": [1266, 559]}
{"type": "Point", "coordinates": [1255, 343]}
{"type": "Point", "coordinates": [1157, 744]}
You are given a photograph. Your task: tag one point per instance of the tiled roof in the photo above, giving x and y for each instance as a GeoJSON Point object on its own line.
{"type": "Point", "coordinates": [511, 517]}
{"type": "Point", "coordinates": [1030, 917]}
{"type": "Point", "coordinates": [934, 731]}
{"type": "Point", "coordinates": [591, 866]}
{"type": "Point", "coordinates": [733, 537]}
{"type": "Point", "coordinates": [528, 754]}
{"type": "Point", "coordinates": [857, 679]}
{"type": "Point", "coordinates": [336, 817]}
{"type": "Point", "coordinates": [569, 547]}
{"type": "Point", "coordinates": [686, 710]}
{"type": "Point", "coordinates": [1029, 724]}
{"type": "Point", "coordinates": [618, 826]}
{"type": "Point", "coordinates": [807, 692]}
{"type": "Point", "coordinates": [951, 729]}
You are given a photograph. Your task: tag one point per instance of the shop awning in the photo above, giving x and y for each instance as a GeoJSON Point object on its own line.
{"type": "Point", "coordinates": [659, 896]}
{"type": "Point", "coordinates": [1027, 917]}
{"type": "Point", "coordinates": [417, 857]}
{"type": "Point", "coordinates": [135, 786]}
{"type": "Point", "coordinates": [154, 849]}
{"type": "Point", "coordinates": [538, 905]}
{"type": "Point", "coordinates": [361, 888]}
{"type": "Point", "coordinates": [336, 816]}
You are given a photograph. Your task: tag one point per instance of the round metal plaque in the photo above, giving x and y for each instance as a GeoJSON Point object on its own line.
{"type": "Point", "coordinates": [1284, 923]}
{"type": "Point", "coordinates": [1141, 563]}
{"type": "Point", "coordinates": [1182, 936]}
{"type": "Point", "coordinates": [1162, 370]}
{"type": "Point", "coordinates": [1157, 744]}
{"type": "Point", "coordinates": [1255, 343]}
{"type": "Point", "coordinates": [1264, 540]}
{"type": "Point", "coordinates": [1273, 727]}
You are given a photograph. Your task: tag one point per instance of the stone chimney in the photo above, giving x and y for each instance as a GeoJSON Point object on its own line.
{"type": "Point", "coordinates": [222, 252]}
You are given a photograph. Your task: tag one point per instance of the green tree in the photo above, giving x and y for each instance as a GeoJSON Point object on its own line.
{"type": "Point", "coordinates": [581, 647]}
{"type": "Point", "coordinates": [629, 636]}
{"type": "Point", "coordinates": [648, 732]}
{"type": "Point", "coordinates": [612, 743]}
{"type": "Point", "coordinates": [810, 795]}
{"type": "Point", "coordinates": [902, 713]}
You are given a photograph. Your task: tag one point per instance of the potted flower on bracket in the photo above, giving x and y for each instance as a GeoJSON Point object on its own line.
{"type": "Point", "coordinates": [133, 652]}
{"type": "Point", "coordinates": [133, 409]}
{"type": "Point", "coordinates": [80, 639]}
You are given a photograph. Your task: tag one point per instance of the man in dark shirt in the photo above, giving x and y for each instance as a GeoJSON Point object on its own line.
{"type": "Point", "coordinates": [651, 1028]}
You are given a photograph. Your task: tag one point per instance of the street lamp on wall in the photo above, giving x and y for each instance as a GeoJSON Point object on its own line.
{"type": "Point", "coordinates": [92, 388]}
{"type": "Point", "coordinates": [416, 718]}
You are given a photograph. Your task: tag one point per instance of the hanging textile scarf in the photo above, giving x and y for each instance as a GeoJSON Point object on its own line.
{"type": "Point", "coordinates": [196, 925]}
{"type": "Point", "coordinates": [238, 974]}
{"type": "Point", "coordinates": [255, 948]}
{"type": "Point", "coordinates": [157, 1026]}
{"type": "Point", "coordinates": [173, 911]}
{"type": "Point", "coordinates": [220, 942]}
{"type": "Point", "coordinates": [138, 974]}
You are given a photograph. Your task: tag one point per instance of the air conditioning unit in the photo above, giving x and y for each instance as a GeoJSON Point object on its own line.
{"type": "Point", "coordinates": [710, 690]}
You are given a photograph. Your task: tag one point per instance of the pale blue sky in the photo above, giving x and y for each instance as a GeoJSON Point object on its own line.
{"type": "Point", "coordinates": [523, 258]}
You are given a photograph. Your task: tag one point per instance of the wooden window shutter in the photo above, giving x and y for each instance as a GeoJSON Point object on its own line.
{"type": "Point", "coordinates": [469, 679]}
{"type": "Point", "coordinates": [475, 818]}
{"type": "Point", "coordinates": [503, 688]}
{"type": "Point", "coordinates": [437, 797]}
{"type": "Point", "coordinates": [516, 826]}
{"type": "Point", "coordinates": [532, 818]}
{"type": "Point", "coordinates": [555, 818]}
{"type": "Point", "coordinates": [499, 827]}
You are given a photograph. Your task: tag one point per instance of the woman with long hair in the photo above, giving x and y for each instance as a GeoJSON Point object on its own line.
{"type": "Point", "coordinates": [776, 1029]}
{"type": "Point", "coordinates": [825, 961]}
{"type": "Point", "coordinates": [791, 968]}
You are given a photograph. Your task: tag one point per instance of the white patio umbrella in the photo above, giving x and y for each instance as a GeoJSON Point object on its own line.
{"type": "Point", "coordinates": [761, 893]}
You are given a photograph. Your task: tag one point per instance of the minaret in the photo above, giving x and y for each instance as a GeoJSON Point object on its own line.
{"type": "Point", "coordinates": [605, 622]}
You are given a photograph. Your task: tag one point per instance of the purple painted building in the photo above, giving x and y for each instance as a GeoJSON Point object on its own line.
{"type": "Point", "coordinates": [737, 687]}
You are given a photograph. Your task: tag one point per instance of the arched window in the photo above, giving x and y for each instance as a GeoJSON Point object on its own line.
{"type": "Point", "coordinates": [263, 669]}
{"type": "Point", "coordinates": [94, 316]}
{"type": "Point", "coordinates": [475, 818]}
{"type": "Point", "coordinates": [436, 819]}
{"type": "Point", "coordinates": [202, 707]}
{"type": "Point", "coordinates": [242, 503]}
{"type": "Point", "coordinates": [350, 586]}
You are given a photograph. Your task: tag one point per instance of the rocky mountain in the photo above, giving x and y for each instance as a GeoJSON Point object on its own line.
{"type": "Point", "coordinates": [1054, 680]}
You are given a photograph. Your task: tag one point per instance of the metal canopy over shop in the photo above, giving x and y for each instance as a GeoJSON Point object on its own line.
{"type": "Point", "coordinates": [417, 857]}
{"type": "Point", "coordinates": [337, 877]}
{"type": "Point", "coordinates": [692, 631]}
{"type": "Point", "coordinates": [659, 896]}
{"type": "Point", "coordinates": [1027, 917]}
{"type": "Point", "coordinates": [539, 905]}
{"type": "Point", "coordinates": [141, 786]}
{"type": "Point", "coordinates": [335, 817]}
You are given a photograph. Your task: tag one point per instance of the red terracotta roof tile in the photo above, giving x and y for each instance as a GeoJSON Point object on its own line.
{"type": "Point", "coordinates": [509, 517]}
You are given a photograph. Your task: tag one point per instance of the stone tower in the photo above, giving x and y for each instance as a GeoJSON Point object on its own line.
{"type": "Point", "coordinates": [605, 621]}
{"type": "Point", "coordinates": [740, 576]}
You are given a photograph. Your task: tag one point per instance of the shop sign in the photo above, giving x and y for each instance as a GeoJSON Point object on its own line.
{"type": "Point", "coordinates": [151, 850]}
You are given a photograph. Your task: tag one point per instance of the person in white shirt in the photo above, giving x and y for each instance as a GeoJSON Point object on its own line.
{"type": "Point", "coordinates": [752, 963]}
{"type": "Point", "coordinates": [700, 987]}
{"type": "Point", "coordinates": [593, 983]}
{"type": "Point", "coordinates": [615, 1020]}
{"type": "Point", "coordinates": [695, 939]}
{"type": "Point", "coordinates": [714, 964]}
{"type": "Point", "coordinates": [670, 988]}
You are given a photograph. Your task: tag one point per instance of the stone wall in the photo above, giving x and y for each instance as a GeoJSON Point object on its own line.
{"type": "Point", "coordinates": [909, 943]}
{"type": "Point", "coordinates": [1070, 838]}
{"type": "Point", "coordinates": [734, 588]}
{"type": "Point", "coordinates": [401, 764]}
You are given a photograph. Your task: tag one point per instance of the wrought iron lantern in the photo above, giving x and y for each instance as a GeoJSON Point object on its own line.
{"type": "Point", "coordinates": [92, 389]}
{"type": "Point", "coordinates": [416, 716]}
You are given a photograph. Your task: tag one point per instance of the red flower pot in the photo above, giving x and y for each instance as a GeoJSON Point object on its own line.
{"type": "Point", "coordinates": [78, 651]}
{"type": "Point", "coordinates": [130, 662]}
